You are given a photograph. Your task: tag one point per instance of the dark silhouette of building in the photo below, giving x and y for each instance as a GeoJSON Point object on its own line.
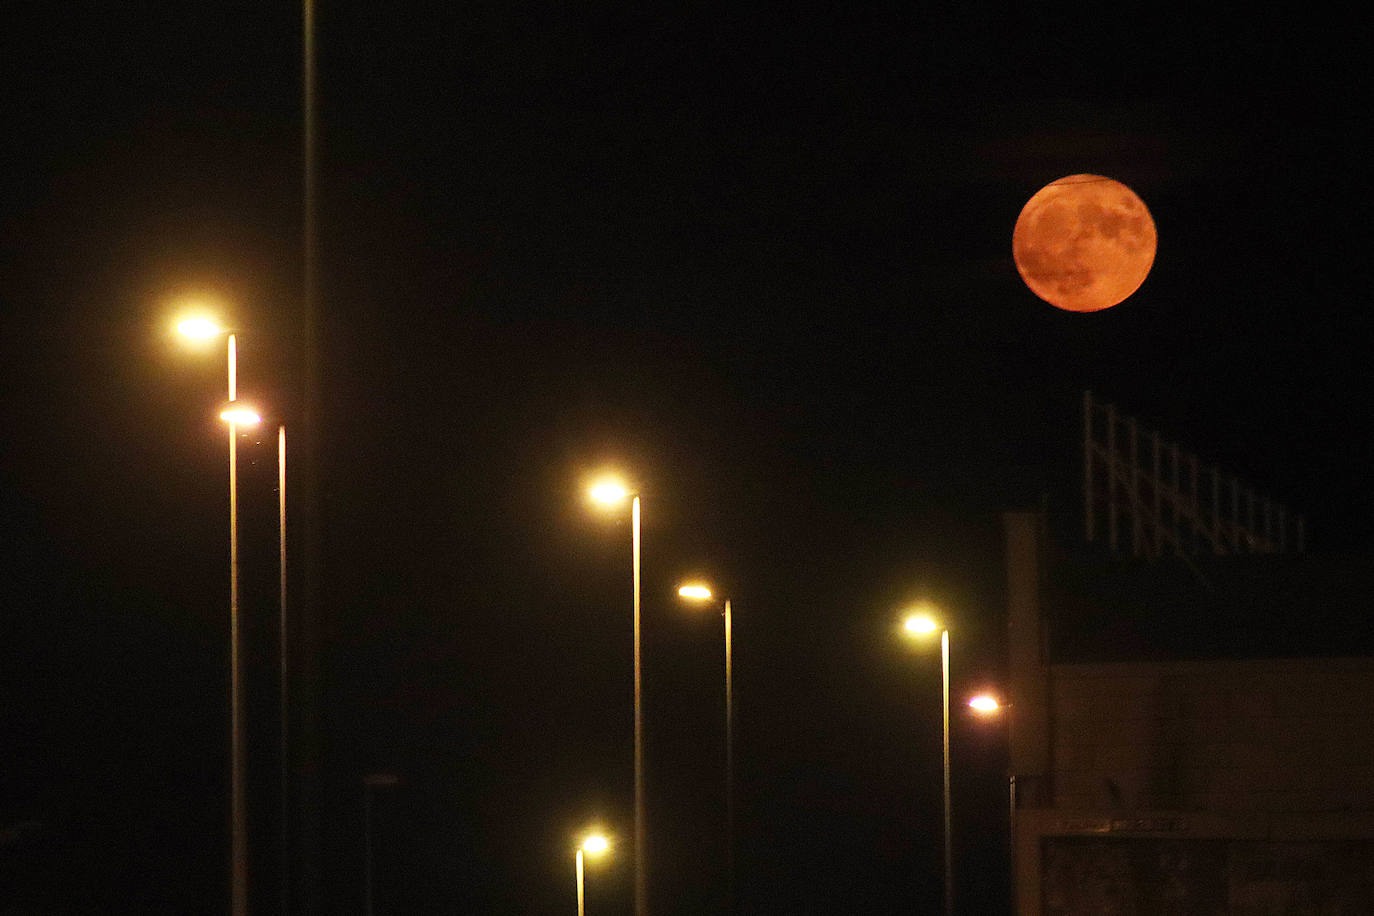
{"type": "Point", "coordinates": [1188, 735]}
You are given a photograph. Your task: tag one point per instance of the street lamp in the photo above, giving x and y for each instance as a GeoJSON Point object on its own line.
{"type": "Point", "coordinates": [987, 706]}
{"type": "Point", "coordinates": [594, 845]}
{"type": "Point", "coordinates": [203, 328]}
{"type": "Point", "coordinates": [700, 592]}
{"type": "Point", "coordinates": [611, 493]}
{"type": "Point", "coordinates": [921, 622]}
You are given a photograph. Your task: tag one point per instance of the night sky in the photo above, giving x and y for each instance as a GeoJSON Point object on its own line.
{"type": "Point", "coordinates": [759, 259]}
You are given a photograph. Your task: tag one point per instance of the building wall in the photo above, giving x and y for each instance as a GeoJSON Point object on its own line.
{"type": "Point", "coordinates": [1226, 787]}
{"type": "Point", "coordinates": [1255, 735]}
{"type": "Point", "coordinates": [1238, 787]}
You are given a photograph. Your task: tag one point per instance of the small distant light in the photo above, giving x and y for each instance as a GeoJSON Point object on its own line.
{"type": "Point", "coordinates": [984, 703]}
{"type": "Point", "coordinates": [199, 328]}
{"type": "Point", "coordinates": [696, 591]}
{"type": "Point", "coordinates": [241, 416]}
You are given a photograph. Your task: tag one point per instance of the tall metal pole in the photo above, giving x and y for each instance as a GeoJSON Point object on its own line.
{"type": "Point", "coordinates": [283, 713]}
{"type": "Point", "coordinates": [309, 664]}
{"type": "Point", "coordinates": [949, 852]}
{"type": "Point", "coordinates": [581, 908]}
{"type": "Point", "coordinates": [238, 846]}
{"type": "Point", "coordinates": [641, 884]}
{"type": "Point", "coordinates": [729, 766]}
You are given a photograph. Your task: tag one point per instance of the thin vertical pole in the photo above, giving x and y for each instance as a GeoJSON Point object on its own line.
{"type": "Point", "coordinates": [641, 884]}
{"type": "Point", "coordinates": [309, 795]}
{"type": "Point", "coordinates": [238, 892]}
{"type": "Point", "coordinates": [284, 689]}
{"type": "Point", "coordinates": [729, 765]}
{"type": "Point", "coordinates": [581, 908]}
{"type": "Point", "coordinates": [949, 850]}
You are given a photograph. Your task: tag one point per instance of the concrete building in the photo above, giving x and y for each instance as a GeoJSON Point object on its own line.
{"type": "Point", "coordinates": [1166, 759]}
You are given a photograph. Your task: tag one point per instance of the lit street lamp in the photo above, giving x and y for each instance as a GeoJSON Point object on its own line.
{"type": "Point", "coordinates": [594, 845]}
{"type": "Point", "coordinates": [987, 706]}
{"type": "Point", "coordinates": [696, 591]}
{"type": "Point", "coordinates": [921, 623]}
{"type": "Point", "coordinates": [201, 328]}
{"type": "Point", "coordinates": [613, 493]}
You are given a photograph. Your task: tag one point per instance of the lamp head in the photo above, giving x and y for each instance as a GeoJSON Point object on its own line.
{"type": "Point", "coordinates": [920, 624]}
{"type": "Point", "coordinates": [695, 591]}
{"type": "Point", "coordinates": [985, 704]}
{"type": "Point", "coordinates": [199, 328]}
{"type": "Point", "coordinates": [608, 492]}
{"type": "Point", "coordinates": [240, 415]}
{"type": "Point", "coordinates": [595, 844]}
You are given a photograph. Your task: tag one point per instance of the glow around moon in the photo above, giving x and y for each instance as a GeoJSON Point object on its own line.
{"type": "Point", "coordinates": [1084, 243]}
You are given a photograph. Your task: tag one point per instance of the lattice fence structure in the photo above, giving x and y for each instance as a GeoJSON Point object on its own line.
{"type": "Point", "coordinates": [1138, 486]}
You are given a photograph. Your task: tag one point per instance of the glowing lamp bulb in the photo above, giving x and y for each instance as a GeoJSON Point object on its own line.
{"type": "Point", "coordinates": [920, 624]}
{"type": "Point", "coordinates": [608, 493]}
{"type": "Point", "coordinates": [199, 328]}
{"type": "Point", "coordinates": [241, 416]}
{"type": "Point", "coordinates": [984, 703]}
{"type": "Point", "coordinates": [695, 591]}
{"type": "Point", "coordinates": [595, 844]}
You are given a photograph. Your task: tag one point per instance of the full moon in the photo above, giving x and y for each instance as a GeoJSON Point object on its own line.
{"type": "Point", "coordinates": [1084, 243]}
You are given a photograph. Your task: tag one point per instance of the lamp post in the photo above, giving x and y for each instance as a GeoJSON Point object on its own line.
{"type": "Point", "coordinates": [986, 706]}
{"type": "Point", "coordinates": [204, 329]}
{"type": "Point", "coordinates": [284, 709]}
{"type": "Point", "coordinates": [593, 845]}
{"type": "Point", "coordinates": [236, 416]}
{"type": "Point", "coordinates": [921, 623]}
{"type": "Point", "coordinates": [696, 591]}
{"type": "Point", "coordinates": [610, 492]}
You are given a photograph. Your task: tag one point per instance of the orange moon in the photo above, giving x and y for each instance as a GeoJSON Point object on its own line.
{"type": "Point", "coordinates": [1084, 243]}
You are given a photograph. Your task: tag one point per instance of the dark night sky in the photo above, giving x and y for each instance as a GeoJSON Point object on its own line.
{"type": "Point", "coordinates": [761, 259]}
